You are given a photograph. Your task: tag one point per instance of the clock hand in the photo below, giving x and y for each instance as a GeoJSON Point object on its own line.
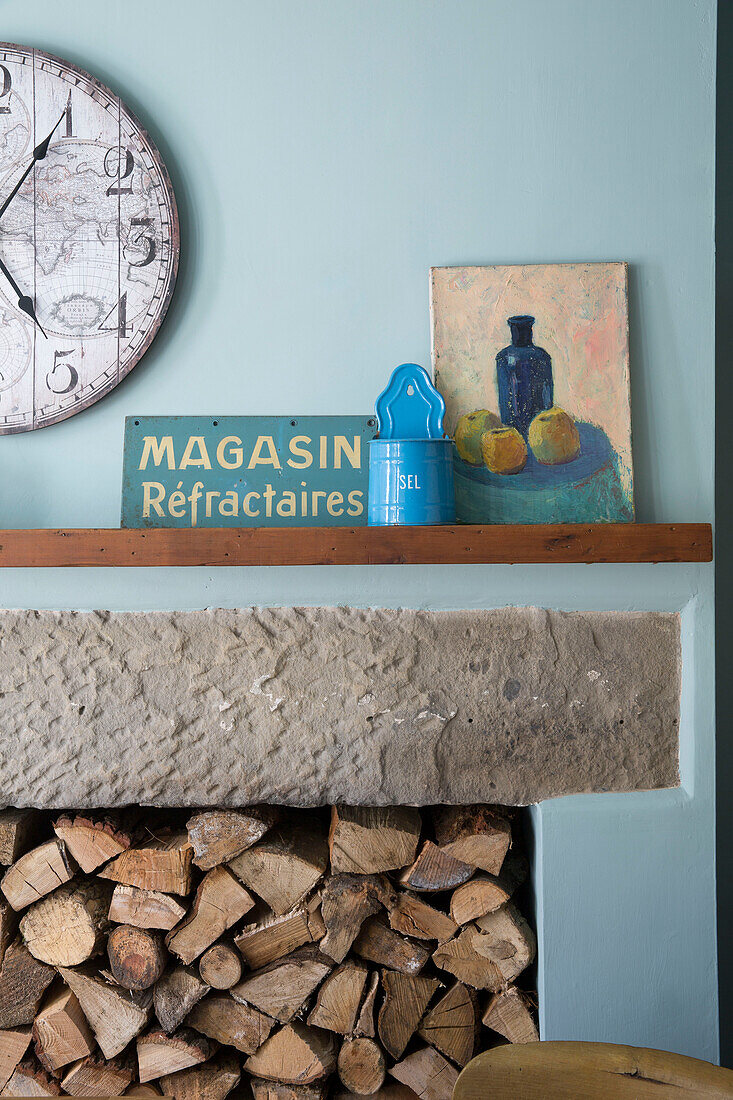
{"type": "Point", "coordinates": [24, 302]}
{"type": "Point", "coordinates": [39, 153]}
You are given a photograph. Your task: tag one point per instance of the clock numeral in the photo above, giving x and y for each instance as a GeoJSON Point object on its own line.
{"type": "Point", "coordinates": [69, 118]}
{"type": "Point", "coordinates": [119, 164]}
{"type": "Point", "coordinates": [64, 377]}
{"type": "Point", "coordinates": [142, 239]}
{"type": "Point", "coordinates": [5, 86]}
{"type": "Point", "coordinates": [121, 326]}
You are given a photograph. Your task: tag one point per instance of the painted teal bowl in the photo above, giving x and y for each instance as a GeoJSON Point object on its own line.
{"type": "Point", "coordinates": [587, 490]}
{"type": "Point", "coordinates": [411, 482]}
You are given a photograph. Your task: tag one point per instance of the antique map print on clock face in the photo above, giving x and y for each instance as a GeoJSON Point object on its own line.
{"type": "Point", "coordinates": [89, 240]}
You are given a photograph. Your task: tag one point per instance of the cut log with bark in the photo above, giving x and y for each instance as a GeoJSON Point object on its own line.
{"type": "Point", "coordinates": [361, 1066]}
{"type": "Point", "coordinates": [159, 1054]}
{"type": "Point", "coordinates": [145, 908]}
{"type": "Point", "coordinates": [219, 903]}
{"type": "Point", "coordinates": [379, 944]}
{"type": "Point", "coordinates": [213, 1080]}
{"type": "Point", "coordinates": [365, 1025]}
{"type": "Point", "coordinates": [29, 1078]}
{"type": "Point", "coordinates": [346, 902]}
{"type": "Point", "coordinates": [284, 867]}
{"type": "Point", "coordinates": [93, 840]}
{"type": "Point", "coordinates": [143, 1090]}
{"type": "Point", "coordinates": [114, 1015]}
{"type": "Point", "coordinates": [161, 862]}
{"type": "Point", "coordinates": [412, 916]}
{"type": "Point", "coordinates": [93, 1076]}
{"type": "Point", "coordinates": [36, 874]}
{"type": "Point", "coordinates": [61, 1033]}
{"type": "Point", "coordinates": [281, 988]}
{"type": "Point", "coordinates": [219, 835]}
{"type": "Point", "coordinates": [477, 835]}
{"type": "Point", "coordinates": [68, 926]}
{"type": "Point", "coordinates": [231, 1023]}
{"type": "Point", "coordinates": [273, 937]}
{"type": "Point", "coordinates": [294, 1055]}
{"type": "Point", "coordinates": [406, 997]}
{"type": "Point", "coordinates": [14, 1042]}
{"type": "Point", "coordinates": [491, 952]}
{"type": "Point", "coordinates": [175, 994]}
{"type": "Point", "coordinates": [137, 956]}
{"type": "Point", "coordinates": [480, 895]}
{"type": "Point", "coordinates": [428, 1074]}
{"type": "Point", "coordinates": [339, 998]}
{"type": "Point", "coordinates": [23, 981]}
{"type": "Point", "coordinates": [220, 966]}
{"type": "Point", "coordinates": [369, 839]}
{"type": "Point", "coordinates": [275, 1090]}
{"type": "Point", "coordinates": [509, 1013]}
{"type": "Point", "coordinates": [435, 870]}
{"type": "Point", "coordinates": [19, 831]}
{"type": "Point", "coordinates": [452, 1024]}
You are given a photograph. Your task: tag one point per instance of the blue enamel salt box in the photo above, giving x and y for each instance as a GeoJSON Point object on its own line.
{"type": "Point", "coordinates": [410, 462]}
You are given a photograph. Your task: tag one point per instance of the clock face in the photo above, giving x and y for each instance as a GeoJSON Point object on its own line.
{"type": "Point", "coordinates": [88, 244]}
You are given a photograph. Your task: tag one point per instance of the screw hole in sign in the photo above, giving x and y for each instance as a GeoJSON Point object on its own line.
{"type": "Point", "coordinates": [410, 391]}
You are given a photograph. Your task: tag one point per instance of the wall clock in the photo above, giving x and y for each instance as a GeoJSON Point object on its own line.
{"type": "Point", "coordinates": [89, 240]}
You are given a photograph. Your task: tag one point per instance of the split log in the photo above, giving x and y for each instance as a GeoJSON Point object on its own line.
{"type": "Point", "coordinates": [284, 867]}
{"type": "Point", "coordinates": [346, 902]}
{"type": "Point", "coordinates": [30, 1079]}
{"type": "Point", "coordinates": [36, 874]}
{"type": "Point", "coordinates": [338, 1000]}
{"type": "Point", "coordinates": [414, 917]}
{"type": "Point", "coordinates": [361, 1066]}
{"type": "Point", "coordinates": [23, 981]}
{"type": "Point", "coordinates": [162, 863]}
{"type": "Point", "coordinates": [481, 895]}
{"type": "Point", "coordinates": [14, 1042]}
{"type": "Point", "coordinates": [143, 1090]}
{"type": "Point", "coordinates": [365, 1022]}
{"type": "Point", "coordinates": [474, 834]}
{"type": "Point", "coordinates": [272, 937]}
{"type": "Point", "coordinates": [379, 944]}
{"type": "Point", "coordinates": [219, 835]}
{"type": "Point", "coordinates": [61, 1032]}
{"type": "Point", "coordinates": [137, 956]}
{"type": "Point", "coordinates": [175, 994]}
{"type": "Point", "coordinates": [295, 1054]}
{"type": "Point", "coordinates": [92, 841]}
{"type": "Point", "coordinates": [452, 1026]}
{"type": "Point", "coordinates": [435, 870]}
{"type": "Point", "coordinates": [145, 908]}
{"type": "Point", "coordinates": [282, 987]}
{"type": "Point", "coordinates": [159, 1054]}
{"type": "Point", "coordinates": [219, 903]}
{"type": "Point", "coordinates": [211, 1081]}
{"type": "Point", "coordinates": [67, 927]}
{"type": "Point", "coordinates": [368, 839]}
{"type": "Point", "coordinates": [388, 1091]}
{"type": "Point", "coordinates": [19, 830]}
{"type": "Point", "coordinates": [509, 1013]}
{"type": "Point", "coordinates": [427, 1073]}
{"type": "Point", "coordinates": [227, 1021]}
{"type": "Point", "coordinates": [406, 997]}
{"type": "Point", "coordinates": [274, 1090]}
{"type": "Point", "coordinates": [94, 1077]}
{"type": "Point", "coordinates": [491, 952]}
{"type": "Point", "coordinates": [8, 926]}
{"type": "Point", "coordinates": [114, 1015]}
{"type": "Point", "coordinates": [221, 966]}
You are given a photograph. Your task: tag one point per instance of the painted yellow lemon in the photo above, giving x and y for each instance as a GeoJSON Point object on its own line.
{"type": "Point", "coordinates": [504, 450]}
{"type": "Point", "coordinates": [553, 437]}
{"type": "Point", "coordinates": [469, 430]}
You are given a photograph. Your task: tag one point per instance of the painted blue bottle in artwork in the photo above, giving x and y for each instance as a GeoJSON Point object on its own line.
{"type": "Point", "coordinates": [524, 377]}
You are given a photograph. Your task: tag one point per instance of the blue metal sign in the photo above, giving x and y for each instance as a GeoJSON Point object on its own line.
{"type": "Point", "coordinates": [246, 471]}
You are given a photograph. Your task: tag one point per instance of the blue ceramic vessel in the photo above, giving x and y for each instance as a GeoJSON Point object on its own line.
{"type": "Point", "coordinates": [524, 377]}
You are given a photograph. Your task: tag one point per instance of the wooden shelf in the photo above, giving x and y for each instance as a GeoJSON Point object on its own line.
{"type": "Point", "coordinates": [462, 545]}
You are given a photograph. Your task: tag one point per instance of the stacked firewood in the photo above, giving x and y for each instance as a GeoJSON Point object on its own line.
{"type": "Point", "coordinates": [263, 949]}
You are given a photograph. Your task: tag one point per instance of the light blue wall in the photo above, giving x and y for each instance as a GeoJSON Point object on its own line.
{"type": "Point", "coordinates": [325, 155]}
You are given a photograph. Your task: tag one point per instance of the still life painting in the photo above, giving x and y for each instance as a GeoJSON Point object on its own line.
{"type": "Point", "coordinates": [533, 364]}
